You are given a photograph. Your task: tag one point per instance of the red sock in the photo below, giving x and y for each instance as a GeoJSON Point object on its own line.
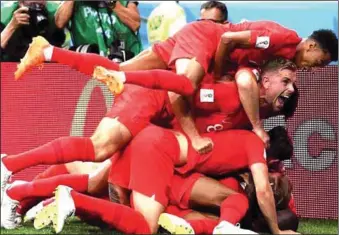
{"type": "Point", "coordinates": [203, 226]}
{"type": "Point", "coordinates": [52, 171]}
{"type": "Point", "coordinates": [234, 208]}
{"type": "Point", "coordinates": [61, 150]}
{"type": "Point", "coordinates": [161, 79]}
{"type": "Point", "coordinates": [46, 187]}
{"type": "Point", "coordinates": [84, 63]}
{"type": "Point", "coordinates": [119, 216]}
{"type": "Point", "coordinates": [27, 204]}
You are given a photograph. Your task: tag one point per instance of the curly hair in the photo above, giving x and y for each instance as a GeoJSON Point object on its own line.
{"type": "Point", "coordinates": [327, 41]}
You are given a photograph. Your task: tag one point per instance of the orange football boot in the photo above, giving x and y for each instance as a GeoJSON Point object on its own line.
{"type": "Point", "coordinates": [110, 78]}
{"type": "Point", "coordinates": [33, 57]}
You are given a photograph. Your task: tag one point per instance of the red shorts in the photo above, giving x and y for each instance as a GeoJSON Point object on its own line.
{"type": "Point", "coordinates": [197, 40]}
{"type": "Point", "coordinates": [136, 107]}
{"type": "Point", "coordinates": [181, 188]}
{"type": "Point", "coordinates": [145, 166]}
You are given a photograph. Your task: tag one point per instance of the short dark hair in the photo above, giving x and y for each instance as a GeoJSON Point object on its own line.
{"type": "Point", "coordinates": [216, 4]}
{"type": "Point", "coordinates": [277, 64]}
{"type": "Point", "coordinates": [281, 146]}
{"type": "Point", "coordinates": [327, 41]}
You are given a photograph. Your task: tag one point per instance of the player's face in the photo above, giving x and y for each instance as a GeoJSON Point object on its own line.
{"type": "Point", "coordinates": [279, 87]}
{"type": "Point", "coordinates": [312, 56]}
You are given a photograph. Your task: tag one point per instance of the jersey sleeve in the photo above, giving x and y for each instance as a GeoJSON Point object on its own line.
{"type": "Point", "coordinates": [221, 96]}
{"type": "Point", "coordinates": [268, 39]}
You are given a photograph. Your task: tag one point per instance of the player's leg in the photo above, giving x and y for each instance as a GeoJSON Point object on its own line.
{"type": "Point", "coordinates": [187, 221]}
{"type": "Point", "coordinates": [44, 188]}
{"type": "Point", "coordinates": [155, 153]}
{"type": "Point", "coordinates": [146, 60]}
{"type": "Point", "coordinates": [97, 184]}
{"type": "Point", "coordinates": [40, 51]}
{"type": "Point", "coordinates": [68, 202]}
{"type": "Point", "coordinates": [154, 79]}
{"type": "Point", "coordinates": [125, 119]}
{"type": "Point", "coordinates": [109, 136]}
{"type": "Point", "coordinates": [233, 206]}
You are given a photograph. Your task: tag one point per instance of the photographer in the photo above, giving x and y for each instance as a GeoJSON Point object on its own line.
{"type": "Point", "coordinates": [23, 20]}
{"type": "Point", "coordinates": [109, 26]}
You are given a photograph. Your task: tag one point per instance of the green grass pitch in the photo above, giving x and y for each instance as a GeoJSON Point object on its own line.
{"type": "Point", "coordinates": [75, 226]}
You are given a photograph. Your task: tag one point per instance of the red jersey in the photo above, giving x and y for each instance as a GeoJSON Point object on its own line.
{"type": "Point", "coordinates": [200, 40]}
{"type": "Point", "coordinates": [218, 107]}
{"type": "Point", "coordinates": [268, 40]}
{"type": "Point", "coordinates": [233, 150]}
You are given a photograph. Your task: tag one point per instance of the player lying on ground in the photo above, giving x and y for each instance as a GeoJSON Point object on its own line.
{"type": "Point", "coordinates": [205, 41]}
{"type": "Point", "coordinates": [128, 117]}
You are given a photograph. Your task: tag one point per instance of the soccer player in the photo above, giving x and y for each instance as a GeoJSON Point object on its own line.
{"type": "Point", "coordinates": [191, 51]}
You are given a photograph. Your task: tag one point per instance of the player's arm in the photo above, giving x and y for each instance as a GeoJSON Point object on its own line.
{"type": "Point", "coordinates": [182, 105]}
{"type": "Point", "coordinates": [252, 39]}
{"type": "Point", "coordinates": [246, 80]}
{"type": "Point", "coordinates": [182, 110]}
{"type": "Point", "coordinates": [265, 197]}
{"type": "Point", "coordinates": [64, 14]}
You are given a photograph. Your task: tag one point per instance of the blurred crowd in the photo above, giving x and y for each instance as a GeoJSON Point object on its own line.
{"type": "Point", "coordinates": [108, 28]}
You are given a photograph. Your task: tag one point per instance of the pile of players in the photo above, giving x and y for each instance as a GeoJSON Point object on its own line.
{"type": "Point", "coordinates": [183, 144]}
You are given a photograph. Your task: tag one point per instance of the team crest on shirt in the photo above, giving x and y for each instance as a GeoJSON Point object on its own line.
{"type": "Point", "coordinates": [206, 95]}
{"type": "Point", "coordinates": [263, 42]}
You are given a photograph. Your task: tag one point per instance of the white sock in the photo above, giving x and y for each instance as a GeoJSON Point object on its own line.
{"type": "Point", "coordinates": [48, 52]}
{"type": "Point", "coordinates": [123, 76]}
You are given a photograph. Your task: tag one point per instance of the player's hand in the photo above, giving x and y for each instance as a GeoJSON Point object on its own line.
{"type": "Point", "coordinates": [202, 145]}
{"type": "Point", "coordinates": [262, 134]}
{"type": "Point", "coordinates": [288, 232]}
{"type": "Point", "coordinates": [20, 17]}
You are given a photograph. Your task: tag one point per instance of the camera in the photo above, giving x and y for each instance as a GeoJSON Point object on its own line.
{"type": "Point", "coordinates": [117, 52]}
{"type": "Point", "coordinates": [38, 18]}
